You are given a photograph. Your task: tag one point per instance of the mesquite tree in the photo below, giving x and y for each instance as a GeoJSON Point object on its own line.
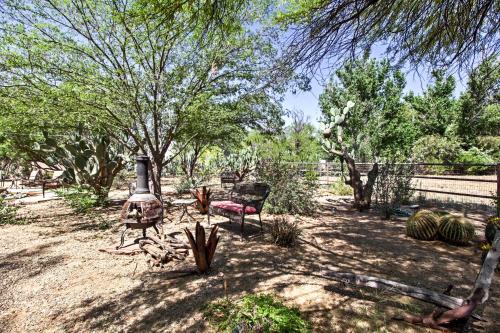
{"type": "Point", "coordinates": [365, 120]}
{"type": "Point", "coordinates": [140, 69]}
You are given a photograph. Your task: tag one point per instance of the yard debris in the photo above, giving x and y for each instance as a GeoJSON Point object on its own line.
{"type": "Point", "coordinates": [158, 251]}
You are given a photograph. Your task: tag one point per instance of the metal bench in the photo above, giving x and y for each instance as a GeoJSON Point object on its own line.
{"type": "Point", "coordinates": [244, 199]}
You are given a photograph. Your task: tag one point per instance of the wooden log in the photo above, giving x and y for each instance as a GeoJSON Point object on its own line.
{"type": "Point", "coordinates": [422, 294]}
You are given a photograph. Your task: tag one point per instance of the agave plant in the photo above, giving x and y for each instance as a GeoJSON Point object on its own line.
{"type": "Point", "coordinates": [456, 229]}
{"type": "Point", "coordinates": [422, 225]}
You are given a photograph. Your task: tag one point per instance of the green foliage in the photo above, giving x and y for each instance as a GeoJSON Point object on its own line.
{"type": "Point", "coordinates": [436, 108]}
{"type": "Point", "coordinates": [492, 225]}
{"type": "Point", "coordinates": [393, 186]}
{"type": "Point", "coordinates": [91, 160]}
{"type": "Point", "coordinates": [8, 214]}
{"type": "Point", "coordinates": [339, 187]}
{"type": "Point", "coordinates": [479, 105]}
{"type": "Point", "coordinates": [185, 184]}
{"type": "Point", "coordinates": [490, 145]}
{"type": "Point", "coordinates": [255, 313]}
{"type": "Point", "coordinates": [435, 149]}
{"type": "Point", "coordinates": [242, 163]}
{"type": "Point", "coordinates": [422, 225]}
{"type": "Point", "coordinates": [81, 199]}
{"type": "Point", "coordinates": [474, 156]}
{"type": "Point", "coordinates": [290, 193]}
{"type": "Point", "coordinates": [284, 232]}
{"type": "Point", "coordinates": [378, 123]}
{"type": "Point", "coordinates": [456, 229]}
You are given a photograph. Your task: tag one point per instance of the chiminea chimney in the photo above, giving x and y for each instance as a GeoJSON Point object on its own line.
{"type": "Point", "coordinates": [142, 174]}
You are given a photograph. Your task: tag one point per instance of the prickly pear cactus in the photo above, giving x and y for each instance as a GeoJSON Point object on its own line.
{"type": "Point", "coordinates": [422, 225]}
{"type": "Point", "coordinates": [492, 225]}
{"type": "Point", "coordinates": [456, 229]}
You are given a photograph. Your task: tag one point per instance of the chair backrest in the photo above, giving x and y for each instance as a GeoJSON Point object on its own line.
{"type": "Point", "coordinates": [34, 174]}
{"type": "Point", "coordinates": [57, 174]}
{"type": "Point", "coordinates": [227, 177]}
{"type": "Point", "coordinates": [253, 194]}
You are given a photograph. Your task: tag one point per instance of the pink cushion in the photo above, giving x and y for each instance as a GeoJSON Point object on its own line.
{"type": "Point", "coordinates": [233, 207]}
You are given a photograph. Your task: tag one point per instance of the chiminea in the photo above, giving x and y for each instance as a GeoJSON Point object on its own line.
{"type": "Point", "coordinates": [142, 210]}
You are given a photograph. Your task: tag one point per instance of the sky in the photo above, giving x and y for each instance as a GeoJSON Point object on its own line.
{"type": "Point", "coordinates": [308, 101]}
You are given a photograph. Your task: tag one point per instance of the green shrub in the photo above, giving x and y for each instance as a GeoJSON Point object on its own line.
{"type": "Point", "coordinates": [456, 229]}
{"type": "Point", "coordinates": [184, 185]}
{"type": "Point", "coordinates": [284, 232]}
{"type": "Point", "coordinates": [435, 149]}
{"type": "Point", "coordinates": [8, 214]}
{"type": "Point", "coordinates": [81, 199]}
{"type": "Point", "coordinates": [490, 145]}
{"type": "Point", "coordinates": [339, 187]}
{"type": "Point", "coordinates": [422, 225]}
{"type": "Point", "coordinates": [492, 225]}
{"type": "Point", "coordinates": [290, 193]}
{"type": "Point", "coordinates": [393, 186]}
{"type": "Point", "coordinates": [255, 313]}
{"type": "Point", "coordinates": [474, 156]}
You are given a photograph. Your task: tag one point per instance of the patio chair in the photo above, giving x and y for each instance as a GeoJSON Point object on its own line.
{"type": "Point", "coordinates": [244, 199]}
{"type": "Point", "coordinates": [32, 180]}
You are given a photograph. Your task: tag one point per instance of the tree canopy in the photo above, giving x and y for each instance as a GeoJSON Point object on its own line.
{"type": "Point", "coordinates": [439, 33]}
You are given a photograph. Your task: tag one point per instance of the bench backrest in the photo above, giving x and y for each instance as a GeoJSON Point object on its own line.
{"type": "Point", "coordinates": [252, 194]}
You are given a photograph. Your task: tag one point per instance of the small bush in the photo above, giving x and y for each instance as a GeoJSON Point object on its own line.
{"type": "Point", "coordinates": [81, 199]}
{"type": "Point", "coordinates": [185, 184]}
{"type": "Point", "coordinates": [393, 187]}
{"type": "Point", "coordinates": [8, 214]}
{"type": "Point", "coordinates": [284, 232]}
{"type": "Point", "coordinates": [255, 313]}
{"type": "Point", "coordinates": [290, 193]}
{"type": "Point", "coordinates": [339, 187]}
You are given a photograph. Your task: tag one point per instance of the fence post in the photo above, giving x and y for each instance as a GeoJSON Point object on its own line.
{"type": "Point", "coordinates": [498, 189]}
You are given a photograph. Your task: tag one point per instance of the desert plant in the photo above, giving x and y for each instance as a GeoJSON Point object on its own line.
{"type": "Point", "coordinates": [290, 193]}
{"type": "Point", "coordinates": [203, 252]}
{"type": "Point", "coordinates": [7, 213]}
{"type": "Point", "coordinates": [422, 225]}
{"type": "Point", "coordinates": [455, 229]}
{"type": "Point", "coordinates": [255, 313]}
{"type": "Point", "coordinates": [203, 199]}
{"type": "Point", "coordinates": [492, 225]}
{"type": "Point", "coordinates": [90, 160]}
{"type": "Point", "coordinates": [81, 199]}
{"type": "Point", "coordinates": [339, 187]}
{"type": "Point", "coordinates": [241, 163]}
{"type": "Point", "coordinates": [393, 186]}
{"type": "Point", "coordinates": [284, 232]}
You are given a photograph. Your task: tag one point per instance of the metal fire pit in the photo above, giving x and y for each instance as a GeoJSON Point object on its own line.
{"type": "Point", "coordinates": [142, 210]}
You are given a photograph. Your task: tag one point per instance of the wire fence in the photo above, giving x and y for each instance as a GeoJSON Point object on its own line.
{"type": "Point", "coordinates": [472, 185]}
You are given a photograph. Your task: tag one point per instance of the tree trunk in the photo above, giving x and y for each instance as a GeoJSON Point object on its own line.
{"type": "Point", "coordinates": [362, 193]}
{"type": "Point", "coordinates": [156, 169]}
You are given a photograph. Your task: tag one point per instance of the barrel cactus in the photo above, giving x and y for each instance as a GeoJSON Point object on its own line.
{"type": "Point", "coordinates": [492, 225]}
{"type": "Point", "coordinates": [456, 229]}
{"type": "Point", "coordinates": [422, 225]}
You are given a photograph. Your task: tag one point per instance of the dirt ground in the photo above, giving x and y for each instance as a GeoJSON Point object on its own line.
{"type": "Point", "coordinates": [54, 279]}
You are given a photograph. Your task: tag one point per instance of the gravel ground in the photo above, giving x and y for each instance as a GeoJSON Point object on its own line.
{"type": "Point", "coordinates": [54, 279]}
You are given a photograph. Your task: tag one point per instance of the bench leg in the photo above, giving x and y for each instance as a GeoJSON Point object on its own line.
{"type": "Point", "coordinates": [260, 221]}
{"type": "Point", "coordinates": [242, 223]}
{"type": "Point", "coordinates": [209, 212]}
